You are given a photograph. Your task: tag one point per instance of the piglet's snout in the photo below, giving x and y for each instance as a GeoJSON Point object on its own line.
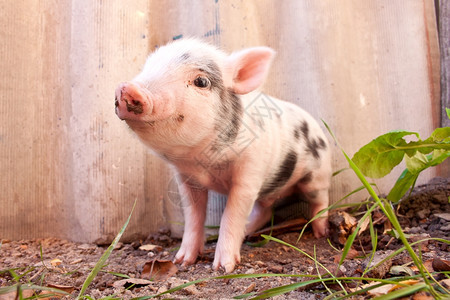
{"type": "Point", "coordinates": [132, 101]}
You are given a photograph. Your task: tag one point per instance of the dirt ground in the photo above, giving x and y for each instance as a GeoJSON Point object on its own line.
{"type": "Point", "coordinates": [66, 265]}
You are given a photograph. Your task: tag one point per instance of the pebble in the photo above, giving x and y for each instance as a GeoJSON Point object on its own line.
{"type": "Point", "coordinates": [250, 288]}
{"type": "Point", "coordinates": [275, 269]}
{"type": "Point", "coordinates": [444, 216]}
{"type": "Point", "coordinates": [381, 270]}
{"type": "Point", "coordinates": [423, 214]}
{"type": "Point", "coordinates": [445, 228]}
{"type": "Point", "coordinates": [415, 230]}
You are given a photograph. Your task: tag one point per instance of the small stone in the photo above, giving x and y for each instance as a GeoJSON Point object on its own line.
{"type": "Point", "coordinates": [260, 263]}
{"type": "Point", "coordinates": [445, 228]}
{"type": "Point", "coordinates": [414, 230]}
{"type": "Point", "coordinates": [118, 246]}
{"type": "Point", "coordinates": [250, 288]}
{"type": "Point", "coordinates": [445, 216]}
{"type": "Point", "coordinates": [381, 270]}
{"type": "Point", "coordinates": [275, 269]}
{"type": "Point", "coordinates": [423, 214]}
{"type": "Point", "coordinates": [250, 271]}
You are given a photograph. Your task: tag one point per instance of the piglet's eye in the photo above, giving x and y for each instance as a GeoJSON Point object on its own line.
{"type": "Point", "coordinates": [202, 82]}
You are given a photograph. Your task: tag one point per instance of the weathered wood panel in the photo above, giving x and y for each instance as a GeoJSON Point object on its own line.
{"type": "Point", "coordinates": [70, 168]}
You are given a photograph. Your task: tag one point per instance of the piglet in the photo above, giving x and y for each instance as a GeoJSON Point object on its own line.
{"type": "Point", "coordinates": [198, 109]}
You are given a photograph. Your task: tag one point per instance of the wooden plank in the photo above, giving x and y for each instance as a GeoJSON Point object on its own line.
{"type": "Point", "coordinates": [444, 42]}
{"type": "Point", "coordinates": [72, 169]}
{"type": "Point", "coordinates": [35, 117]}
{"type": "Point", "coordinates": [111, 169]}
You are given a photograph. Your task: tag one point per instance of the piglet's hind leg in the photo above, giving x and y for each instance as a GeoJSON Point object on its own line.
{"type": "Point", "coordinates": [315, 189]}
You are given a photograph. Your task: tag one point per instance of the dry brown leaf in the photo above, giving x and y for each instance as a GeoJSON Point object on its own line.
{"type": "Point", "coordinates": [440, 265]}
{"type": "Point", "coordinates": [158, 270]}
{"type": "Point", "coordinates": [55, 294]}
{"type": "Point", "coordinates": [352, 253]}
{"type": "Point", "coordinates": [342, 225]}
{"type": "Point", "coordinates": [13, 295]}
{"type": "Point", "coordinates": [364, 225]}
{"type": "Point", "coordinates": [407, 282]}
{"type": "Point", "coordinates": [65, 288]}
{"type": "Point", "coordinates": [387, 226]}
{"type": "Point", "coordinates": [428, 266]}
{"type": "Point", "coordinates": [381, 290]}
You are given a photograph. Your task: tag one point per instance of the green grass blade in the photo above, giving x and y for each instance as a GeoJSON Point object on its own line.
{"type": "Point", "coordinates": [304, 253]}
{"type": "Point", "coordinates": [339, 172]}
{"type": "Point", "coordinates": [231, 276]}
{"type": "Point", "coordinates": [374, 239]}
{"type": "Point", "coordinates": [285, 289]}
{"type": "Point", "coordinates": [387, 210]}
{"type": "Point", "coordinates": [351, 238]}
{"type": "Point", "coordinates": [101, 262]}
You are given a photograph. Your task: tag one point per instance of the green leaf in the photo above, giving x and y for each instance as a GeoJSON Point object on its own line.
{"type": "Point", "coordinates": [441, 135]}
{"type": "Point", "coordinates": [402, 185]}
{"type": "Point", "coordinates": [351, 238]}
{"type": "Point", "coordinates": [415, 165]}
{"type": "Point", "coordinates": [448, 112]}
{"type": "Point", "coordinates": [381, 155]}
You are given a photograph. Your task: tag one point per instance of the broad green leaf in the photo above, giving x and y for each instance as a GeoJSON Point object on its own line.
{"type": "Point", "coordinates": [448, 112]}
{"type": "Point", "coordinates": [439, 156]}
{"type": "Point", "coordinates": [441, 135]}
{"type": "Point", "coordinates": [381, 155]}
{"type": "Point", "coordinates": [415, 165]}
{"type": "Point", "coordinates": [402, 185]}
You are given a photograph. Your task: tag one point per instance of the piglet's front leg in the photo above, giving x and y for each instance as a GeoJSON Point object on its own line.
{"type": "Point", "coordinates": [194, 200]}
{"type": "Point", "coordinates": [232, 228]}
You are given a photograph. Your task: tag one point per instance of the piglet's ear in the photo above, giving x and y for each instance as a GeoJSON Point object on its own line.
{"type": "Point", "coordinates": [249, 68]}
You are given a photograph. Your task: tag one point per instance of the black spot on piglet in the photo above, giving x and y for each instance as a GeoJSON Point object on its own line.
{"type": "Point", "coordinates": [306, 178]}
{"type": "Point", "coordinates": [297, 133]}
{"type": "Point", "coordinates": [282, 176]}
{"type": "Point", "coordinates": [313, 145]}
